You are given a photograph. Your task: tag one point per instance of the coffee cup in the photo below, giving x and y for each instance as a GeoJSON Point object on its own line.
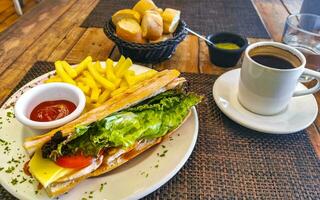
{"type": "Point", "coordinates": [269, 76]}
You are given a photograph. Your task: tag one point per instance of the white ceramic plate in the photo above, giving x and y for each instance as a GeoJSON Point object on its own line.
{"type": "Point", "coordinates": [133, 180]}
{"type": "Point", "coordinates": [300, 113]}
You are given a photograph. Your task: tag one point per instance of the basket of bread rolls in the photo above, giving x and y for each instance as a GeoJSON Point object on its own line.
{"type": "Point", "coordinates": [146, 33]}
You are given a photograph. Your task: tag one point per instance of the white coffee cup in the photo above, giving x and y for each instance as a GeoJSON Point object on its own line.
{"type": "Point", "coordinates": [267, 90]}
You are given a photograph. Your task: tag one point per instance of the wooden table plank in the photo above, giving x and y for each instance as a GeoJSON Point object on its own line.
{"type": "Point", "coordinates": [293, 6]}
{"type": "Point", "coordinates": [93, 43]}
{"type": "Point", "coordinates": [273, 14]}
{"type": "Point", "coordinates": [45, 44]}
{"type": "Point", "coordinates": [186, 57]}
{"type": "Point", "coordinates": [67, 44]}
{"type": "Point", "coordinates": [314, 137]}
{"type": "Point", "coordinates": [15, 40]}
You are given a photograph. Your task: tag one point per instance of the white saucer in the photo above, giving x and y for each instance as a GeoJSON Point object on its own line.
{"type": "Point", "coordinates": [300, 113]}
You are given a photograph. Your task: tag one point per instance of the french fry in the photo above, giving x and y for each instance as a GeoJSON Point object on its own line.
{"type": "Point", "coordinates": [83, 65]}
{"type": "Point", "coordinates": [95, 95]}
{"type": "Point", "coordinates": [99, 68]}
{"type": "Point", "coordinates": [96, 105]}
{"type": "Point", "coordinates": [53, 79]}
{"type": "Point", "coordinates": [100, 79]}
{"type": "Point", "coordinates": [89, 82]}
{"type": "Point", "coordinates": [85, 88]}
{"type": "Point", "coordinates": [145, 75]}
{"type": "Point", "coordinates": [110, 72]}
{"type": "Point", "coordinates": [130, 79]}
{"type": "Point", "coordinates": [88, 100]}
{"type": "Point", "coordinates": [100, 83]}
{"type": "Point", "coordinates": [89, 76]}
{"type": "Point", "coordinates": [118, 91]}
{"type": "Point", "coordinates": [123, 68]}
{"type": "Point", "coordinates": [120, 61]}
{"type": "Point", "coordinates": [104, 96]}
{"type": "Point", "coordinates": [70, 71]}
{"type": "Point", "coordinates": [131, 73]}
{"type": "Point", "coordinates": [123, 83]}
{"type": "Point", "coordinates": [63, 75]}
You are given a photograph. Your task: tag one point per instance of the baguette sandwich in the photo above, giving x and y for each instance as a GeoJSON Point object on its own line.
{"type": "Point", "coordinates": [110, 135]}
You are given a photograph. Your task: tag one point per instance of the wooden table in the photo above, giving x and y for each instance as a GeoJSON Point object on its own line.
{"type": "Point", "coordinates": [51, 32]}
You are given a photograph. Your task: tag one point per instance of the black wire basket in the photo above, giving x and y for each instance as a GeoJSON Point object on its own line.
{"type": "Point", "coordinates": [150, 52]}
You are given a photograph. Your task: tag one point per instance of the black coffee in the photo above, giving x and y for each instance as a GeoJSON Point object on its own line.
{"type": "Point", "coordinates": [272, 61]}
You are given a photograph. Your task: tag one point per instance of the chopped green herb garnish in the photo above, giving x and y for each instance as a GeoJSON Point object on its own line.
{"type": "Point", "coordinates": [10, 114]}
{"type": "Point", "coordinates": [156, 166]}
{"type": "Point", "coordinates": [101, 187]}
{"type": "Point", "coordinates": [1, 168]}
{"type": "Point", "coordinates": [14, 181]}
{"type": "Point", "coordinates": [3, 142]}
{"type": "Point", "coordinates": [10, 169]}
{"type": "Point", "coordinates": [23, 180]}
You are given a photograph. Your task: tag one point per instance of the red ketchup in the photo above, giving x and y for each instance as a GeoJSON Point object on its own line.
{"type": "Point", "coordinates": [52, 110]}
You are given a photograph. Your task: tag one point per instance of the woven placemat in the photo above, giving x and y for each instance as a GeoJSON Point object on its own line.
{"type": "Point", "coordinates": [203, 16]}
{"type": "Point", "coordinates": [230, 161]}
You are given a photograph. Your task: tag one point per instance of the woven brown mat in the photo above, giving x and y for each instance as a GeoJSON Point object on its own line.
{"type": "Point", "coordinates": [204, 16]}
{"type": "Point", "coordinates": [230, 161]}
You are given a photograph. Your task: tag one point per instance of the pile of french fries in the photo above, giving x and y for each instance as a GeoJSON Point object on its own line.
{"type": "Point", "coordinates": [99, 83]}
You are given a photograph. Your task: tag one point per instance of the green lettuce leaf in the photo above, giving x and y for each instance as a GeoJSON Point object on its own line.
{"type": "Point", "coordinates": [150, 119]}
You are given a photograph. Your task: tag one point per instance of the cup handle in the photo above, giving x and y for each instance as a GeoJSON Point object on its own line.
{"type": "Point", "coordinates": [316, 88]}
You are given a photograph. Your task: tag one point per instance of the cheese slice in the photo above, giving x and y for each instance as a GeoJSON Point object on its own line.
{"type": "Point", "coordinates": [45, 170]}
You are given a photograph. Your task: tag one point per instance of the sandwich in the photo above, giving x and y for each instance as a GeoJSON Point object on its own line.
{"type": "Point", "coordinates": [110, 135]}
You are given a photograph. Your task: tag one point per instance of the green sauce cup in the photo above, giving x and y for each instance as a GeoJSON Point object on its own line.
{"type": "Point", "coordinates": [223, 57]}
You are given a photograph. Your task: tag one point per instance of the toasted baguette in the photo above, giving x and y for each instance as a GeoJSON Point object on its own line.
{"type": "Point", "coordinates": [129, 30]}
{"type": "Point", "coordinates": [171, 19]}
{"type": "Point", "coordinates": [143, 5]}
{"type": "Point", "coordinates": [59, 188]}
{"type": "Point", "coordinates": [162, 81]}
{"type": "Point", "coordinates": [125, 14]}
{"type": "Point", "coordinates": [152, 25]}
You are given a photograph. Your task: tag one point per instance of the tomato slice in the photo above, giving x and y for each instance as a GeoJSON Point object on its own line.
{"type": "Point", "coordinates": [74, 161]}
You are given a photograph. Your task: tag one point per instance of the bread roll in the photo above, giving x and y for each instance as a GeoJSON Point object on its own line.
{"type": "Point", "coordinates": [171, 19]}
{"type": "Point", "coordinates": [152, 25]}
{"type": "Point", "coordinates": [143, 5]}
{"type": "Point", "coordinates": [126, 13]}
{"type": "Point", "coordinates": [130, 30]}
{"type": "Point", "coordinates": [159, 10]}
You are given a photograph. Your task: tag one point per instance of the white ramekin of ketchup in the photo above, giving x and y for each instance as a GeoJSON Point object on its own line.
{"type": "Point", "coordinates": [49, 105]}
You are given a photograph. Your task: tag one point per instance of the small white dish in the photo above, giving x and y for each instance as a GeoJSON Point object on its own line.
{"type": "Point", "coordinates": [299, 114]}
{"type": "Point", "coordinates": [49, 92]}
